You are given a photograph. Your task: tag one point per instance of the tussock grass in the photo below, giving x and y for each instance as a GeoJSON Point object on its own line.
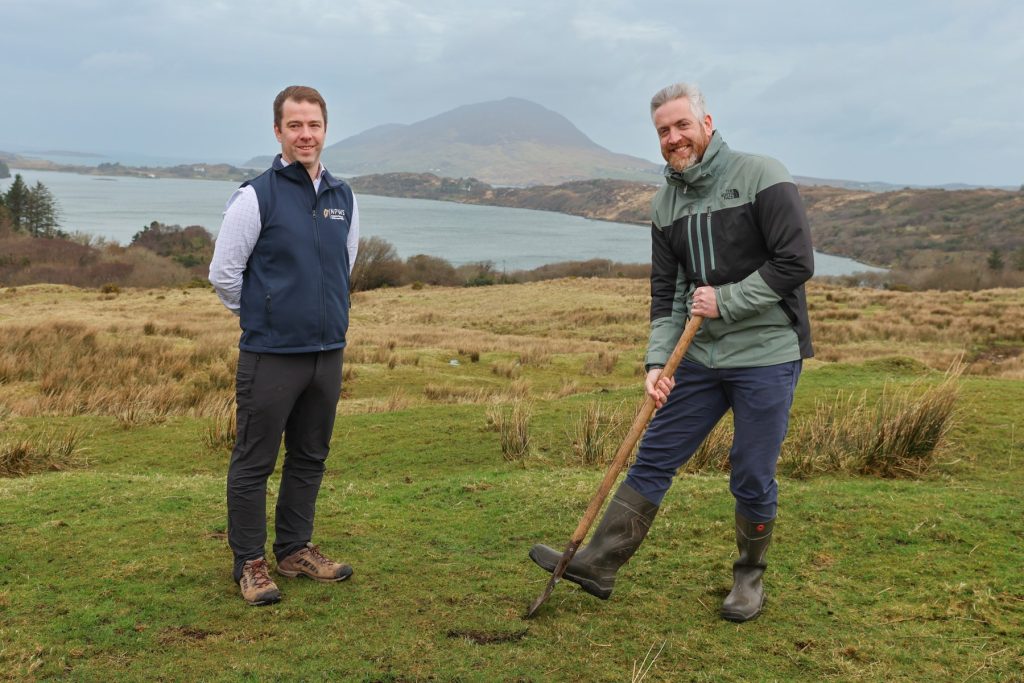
{"type": "Point", "coordinates": [42, 451]}
{"type": "Point", "coordinates": [507, 369]}
{"type": "Point", "coordinates": [512, 422]}
{"type": "Point", "coordinates": [592, 433]}
{"type": "Point", "coordinates": [713, 453]}
{"type": "Point", "coordinates": [448, 393]}
{"type": "Point", "coordinates": [395, 401]}
{"type": "Point", "coordinates": [535, 354]}
{"type": "Point", "coordinates": [900, 435]}
{"type": "Point", "coordinates": [602, 363]}
{"type": "Point", "coordinates": [568, 387]}
{"type": "Point", "coordinates": [222, 431]}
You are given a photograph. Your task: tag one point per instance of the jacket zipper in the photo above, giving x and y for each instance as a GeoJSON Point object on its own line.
{"type": "Point", "coordinates": [700, 250]}
{"type": "Point", "coordinates": [320, 262]}
{"type": "Point", "coordinates": [711, 241]}
{"type": "Point", "coordinates": [690, 238]}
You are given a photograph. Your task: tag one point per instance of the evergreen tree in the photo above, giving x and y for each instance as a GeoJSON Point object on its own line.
{"type": "Point", "coordinates": [16, 200]}
{"type": "Point", "coordinates": [1018, 258]}
{"type": "Point", "coordinates": [5, 172]}
{"type": "Point", "coordinates": [995, 260]}
{"type": "Point", "coordinates": [41, 214]}
{"type": "Point", "coordinates": [5, 219]}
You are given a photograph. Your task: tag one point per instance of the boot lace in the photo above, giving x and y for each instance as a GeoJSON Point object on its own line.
{"type": "Point", "coordinates": [318, 556]}
{"type": "Point", "coordinates": [258, 574]}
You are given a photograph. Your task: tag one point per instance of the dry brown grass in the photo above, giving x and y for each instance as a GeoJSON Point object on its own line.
{"type": "Point", "coordinates": [397, 400]}
{"type": "Point", "coordinates": [985, 327]}
{"type": "Point", "coordinates": [900, 435]}
{"type": "Point", "coordinates": [713, 453]}
{"type": "Point", "coordinates": [593, 433]}
{"type": "Point", "coordinates": [512, 421]}
{"type": "Point", "coordinates": [40, 451]}
{"type": "Point", "coordinates": [602, 363]}
{"type": "Point", "coordinates": [142, 355]}
{"type": "Point", "coordinates": [221, 433]}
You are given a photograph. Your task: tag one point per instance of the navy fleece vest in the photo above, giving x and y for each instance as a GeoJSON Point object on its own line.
{"type": "Point", "coordinates": [295, 289]}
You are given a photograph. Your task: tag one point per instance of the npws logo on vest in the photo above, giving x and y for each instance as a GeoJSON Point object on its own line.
{"type": "Point", "coordinates": [335, 214]}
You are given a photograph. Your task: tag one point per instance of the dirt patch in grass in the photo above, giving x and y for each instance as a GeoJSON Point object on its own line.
{"type": "Point", "coordinates": [488, 637]}
{"type": "Point", "coordinates": [180, 634]}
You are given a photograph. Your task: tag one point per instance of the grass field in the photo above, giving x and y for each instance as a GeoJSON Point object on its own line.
{"type": "Point", "coordinates": [116, 566]}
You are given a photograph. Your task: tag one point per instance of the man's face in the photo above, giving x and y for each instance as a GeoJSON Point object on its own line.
{"type": "Point", "coordinates": [683, 138]}
{"type": "Point", "coordinates": [301, 133]}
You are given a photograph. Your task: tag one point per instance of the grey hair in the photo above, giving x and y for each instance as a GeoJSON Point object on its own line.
{"type": "Point", "coordinates": [678, 91]}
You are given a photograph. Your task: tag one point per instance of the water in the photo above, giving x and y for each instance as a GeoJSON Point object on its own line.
{"type": "Point", "coordinates": [116, 208]}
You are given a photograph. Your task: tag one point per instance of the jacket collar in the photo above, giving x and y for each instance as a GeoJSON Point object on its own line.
{"type": "Point", "coordinates": [297, 171]}
{"type": "Point", "coordinates": [703, 172]}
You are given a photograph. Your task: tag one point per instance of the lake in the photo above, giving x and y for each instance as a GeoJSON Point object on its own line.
{"type": "Point", "coordinates": [116, 208]}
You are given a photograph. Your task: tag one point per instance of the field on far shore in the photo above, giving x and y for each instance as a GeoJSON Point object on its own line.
{"type": "Point", "coordinates": [114, 564]}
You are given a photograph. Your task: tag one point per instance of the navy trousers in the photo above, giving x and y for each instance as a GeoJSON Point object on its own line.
{"type": "Point", "coordinates": [297, 395]}
{"type": "Point", "coordinates": [760, 399]}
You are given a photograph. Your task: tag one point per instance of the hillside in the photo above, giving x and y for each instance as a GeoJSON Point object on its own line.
{"type": "Point", "coordinates": [198, 171]}
{"type": "Point", "coordinates": [621, 201]}
{"type": "Point", "coordinates": [902, 228]}
{"type": "Point", "coordinates": [505, 142]}
{"type": "Point", "coordinates": [915, 228]}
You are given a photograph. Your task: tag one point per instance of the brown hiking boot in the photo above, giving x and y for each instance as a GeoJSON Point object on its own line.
{"type": "Point", "coordinates": [257, 586]}
{"type": "Point", "coordinates": [309, 561]}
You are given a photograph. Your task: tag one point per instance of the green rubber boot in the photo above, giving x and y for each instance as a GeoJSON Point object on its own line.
{"type": "Point", "coordinates": [746, 598]}
{"type": "Point", "coordinates": [620, 533]}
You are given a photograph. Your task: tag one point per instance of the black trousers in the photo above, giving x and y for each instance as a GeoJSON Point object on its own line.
{"type": "Point", "coordinates": [297, 395]}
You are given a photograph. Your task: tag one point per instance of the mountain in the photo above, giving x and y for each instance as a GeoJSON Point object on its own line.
{"type": "Point", "coordinates": [505, 142]}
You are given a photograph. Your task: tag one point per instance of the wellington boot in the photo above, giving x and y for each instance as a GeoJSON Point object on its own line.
{"type": "Point", "coordinates": [620, 533]}
{"type": "Point", "coordinates": [746, 598]}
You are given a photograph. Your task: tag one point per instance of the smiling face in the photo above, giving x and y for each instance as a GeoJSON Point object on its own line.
{"type": "Point", "coordinates": [301, 133]}
{"type": "Point", "coordinates": [682, 136]}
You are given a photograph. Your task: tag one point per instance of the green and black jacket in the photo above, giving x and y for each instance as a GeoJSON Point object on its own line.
{"type": "Point", "coordinates": [736, 222]}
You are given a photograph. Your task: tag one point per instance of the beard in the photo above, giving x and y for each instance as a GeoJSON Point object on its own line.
{"type": "Point", "coordinates": [691, 156]}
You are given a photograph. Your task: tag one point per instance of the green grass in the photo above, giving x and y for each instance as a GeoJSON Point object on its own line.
{"type": "Point", "coordinates": [120, 570]}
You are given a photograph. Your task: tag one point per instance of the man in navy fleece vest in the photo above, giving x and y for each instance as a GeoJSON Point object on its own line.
{"type": "Point", "coordinates": [282, 263]}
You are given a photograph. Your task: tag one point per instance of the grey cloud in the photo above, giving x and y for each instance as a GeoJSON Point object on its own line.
{"type": "Point", "coordinates": [915, 91]}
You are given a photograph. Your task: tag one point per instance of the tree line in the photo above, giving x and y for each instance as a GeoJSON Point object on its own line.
{"type": "Point", "coordinates": [30, 210]}
{"type": "Point", "coordinates": [379, 265]}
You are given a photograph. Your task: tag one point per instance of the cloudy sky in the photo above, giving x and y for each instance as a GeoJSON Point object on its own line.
{"type": "Point", "coordinates": [908, 91]}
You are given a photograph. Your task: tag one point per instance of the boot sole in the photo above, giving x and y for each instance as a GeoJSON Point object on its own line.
{"type": "Point", "coordinates": [292, 575]}
{"type": "Point", "coordinates": [737, 618]}
{"type": "Point", "coordinates": [264, 602]}
{"type": "Point", "coordinates": [587, 585]}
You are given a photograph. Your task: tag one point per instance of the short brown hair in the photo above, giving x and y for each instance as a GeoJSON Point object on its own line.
{"type": "Point", "coordinates": [299, 93]}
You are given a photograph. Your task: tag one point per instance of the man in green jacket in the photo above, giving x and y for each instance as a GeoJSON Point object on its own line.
{"type": "Point", "coordinates": [730, 242]}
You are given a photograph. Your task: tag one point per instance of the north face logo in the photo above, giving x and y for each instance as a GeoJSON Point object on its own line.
{"type": "Point", "coordinates": [731, 194]}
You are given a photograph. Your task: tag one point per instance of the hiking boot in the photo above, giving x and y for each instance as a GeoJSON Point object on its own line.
{"type": "Point", "coordinates": [257, 586]}
{"type": "Point", "coordinates": [746, 598]}
{"type": "Point", "coordinates": [309, 561]}
{"type": "Point", "coordinates": [620, 533]}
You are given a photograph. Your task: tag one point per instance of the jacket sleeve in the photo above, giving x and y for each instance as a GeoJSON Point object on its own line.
{"type": "Point", "coordinates": [352, 245]}
{"type": "Point", "coordinates": [235, 242]}
{"type": "Point", "coordinates": [780, 214]}
{"type": "Point", "coordinates": [668, 301]}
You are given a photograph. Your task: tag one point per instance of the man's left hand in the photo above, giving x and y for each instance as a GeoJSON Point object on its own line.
{"type": "Point", "coordinates": [705, 303]}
